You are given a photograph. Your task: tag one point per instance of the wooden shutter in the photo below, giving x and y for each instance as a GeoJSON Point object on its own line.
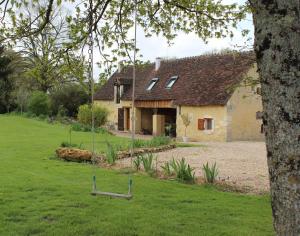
{"type": "Point", "coordinates": [121, 119]}
{"type": "Point", "coordinates": [200, 124]}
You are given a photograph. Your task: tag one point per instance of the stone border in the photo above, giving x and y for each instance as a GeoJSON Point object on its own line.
{"type": "Point", "coordinates": [79, 155]}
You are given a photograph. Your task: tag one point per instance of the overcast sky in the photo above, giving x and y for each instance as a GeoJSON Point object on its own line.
{"type": "Point", "coordinates": [186, 45]}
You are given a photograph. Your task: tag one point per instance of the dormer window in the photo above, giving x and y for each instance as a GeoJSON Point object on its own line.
{"type": "Point", "coordinates": [171, 82]}
{"type": "Point", "coordinates": [152, 83]}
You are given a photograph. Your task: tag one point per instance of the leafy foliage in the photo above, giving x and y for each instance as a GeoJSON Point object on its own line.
{"type": "Point", "coordinates": [87, 128]}
{"type": "Point", "coordinates": [6, 82]}
{"type": "Point", "coordinates": [167, 169]}
{"type": "Point", "coordinates": [39, 103]}
{"type": "Point", "coordinates": [186, 121]}
{"type": "Point", "coordinates": [210, 172]}
{"type": "Point", "coordinates": [154, 142]}
{"type": "Point", "coordinates": [85, 115]}
{"type": "Point", "coordinates": [71, 145]}
{"type": "Point", "coordinates": [137, 162]}
{"type": "Point", "coordinates": [70, 97]}
{"type": "Point", "coordinates": [148, 164]}
{"type": "Point", "coordinates": [181, 169]}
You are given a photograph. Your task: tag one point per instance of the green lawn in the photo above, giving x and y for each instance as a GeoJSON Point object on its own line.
{"type": "Point", "coordinates": [40, 195]}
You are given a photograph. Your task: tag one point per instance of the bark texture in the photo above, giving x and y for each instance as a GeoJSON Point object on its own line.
{"type": "Point", "coordinates": [277, 47]}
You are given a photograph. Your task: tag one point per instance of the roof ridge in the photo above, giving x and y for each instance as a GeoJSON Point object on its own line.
{"type": "Point", "coordinates": [207, 55]}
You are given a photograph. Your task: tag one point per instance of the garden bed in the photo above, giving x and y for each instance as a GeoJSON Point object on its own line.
{"type": "Point", "coordinates": [79, 155]}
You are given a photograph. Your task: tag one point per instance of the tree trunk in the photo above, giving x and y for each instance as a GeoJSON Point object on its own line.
{"type": "Point", "coordinates": [277, 48]}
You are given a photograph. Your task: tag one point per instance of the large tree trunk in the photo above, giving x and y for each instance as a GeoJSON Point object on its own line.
{"type": "Point", "coordinates": [277, 47]}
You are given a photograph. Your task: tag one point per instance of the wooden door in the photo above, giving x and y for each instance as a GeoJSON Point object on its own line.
{"type": "Point", "coordinates": [121, 119]}
{"type": "Point", "coordinates": [128, 118]}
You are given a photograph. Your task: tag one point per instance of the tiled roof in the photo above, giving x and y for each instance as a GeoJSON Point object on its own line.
{"type": "Point", "coordinates": [202, 80]}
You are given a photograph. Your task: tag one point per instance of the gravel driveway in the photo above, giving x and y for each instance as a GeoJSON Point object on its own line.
{"type": "Point", "coordinates": [242, 164]}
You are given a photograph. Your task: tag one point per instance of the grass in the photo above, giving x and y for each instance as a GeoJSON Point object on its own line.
{"type": "Point", "coordinates": [189, 145]}
{"type": "Point", "coordinates": [40, 195]}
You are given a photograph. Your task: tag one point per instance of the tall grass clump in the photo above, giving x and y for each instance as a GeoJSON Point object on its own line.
{"type": "Point", "coordinates": [210, 172]}
{"type": "Point", "coordinates": [137, 162]}
{"type": "Point", "coordinates": [159, 141]}
{"type": "Point", "coordinates": [179, 168]}
{"type": "Point", "coordinates": [111, 154]}
{"type": "Point", "coordinates": [167, 169]}
{"type": "Point", "coordinates": [147, 161]}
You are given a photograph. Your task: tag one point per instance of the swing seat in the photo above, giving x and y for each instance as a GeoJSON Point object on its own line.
{"type": "Point", "coordinates": [112, 195]}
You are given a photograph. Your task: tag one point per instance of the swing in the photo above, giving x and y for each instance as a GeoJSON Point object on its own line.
{"type": "Point", "coordinates": [96, 192]}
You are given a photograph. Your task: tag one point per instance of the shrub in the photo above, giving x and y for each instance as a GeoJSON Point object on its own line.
{"type": "Point", "coordinates": [85, 115]}
{"type": "Point", "coordinates": [70, 97]}
{"type": "Point", "coordinates": [210, 172]}
{"type": "Point", "coordinates": [111, 154]}
{"type": "Point", "coordinates": [147, 161]}
{"type": "Point", "coordinates": [183, 171]}
{"type": "Point", "coordinates": [62, 112]}
{"type": "Point", "coordinates": [38, 103]}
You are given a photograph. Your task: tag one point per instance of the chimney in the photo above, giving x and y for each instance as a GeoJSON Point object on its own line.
{"type": "Point", "coordinates": [120, 66]}
{"type": "Point", "coordinates": [157, 63]}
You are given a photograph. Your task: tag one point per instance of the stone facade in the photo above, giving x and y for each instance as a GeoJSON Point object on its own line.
{"type": "Point", "coordinates": [233, 121]}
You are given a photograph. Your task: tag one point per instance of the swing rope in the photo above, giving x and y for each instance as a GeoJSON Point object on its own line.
{"type": "Point", "coordinates": [90, 74]}
{"type": "Point", "coordinates": [133, 98]}
{"type": "Point", "coordinates": [91, 80]}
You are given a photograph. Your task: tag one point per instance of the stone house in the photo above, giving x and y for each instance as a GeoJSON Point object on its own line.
{"type": "Point", "coordinates": [210, 90]}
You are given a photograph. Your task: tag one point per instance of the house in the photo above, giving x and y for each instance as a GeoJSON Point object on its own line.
{"type": "Point", "coordinates": [210, 90]}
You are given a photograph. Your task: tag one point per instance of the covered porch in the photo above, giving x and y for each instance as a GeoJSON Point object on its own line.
{"type": "Point", "coordinates": [151, 118]}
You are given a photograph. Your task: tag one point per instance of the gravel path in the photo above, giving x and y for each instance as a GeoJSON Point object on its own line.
{"type": "Point", "coordinates": [242, 164]}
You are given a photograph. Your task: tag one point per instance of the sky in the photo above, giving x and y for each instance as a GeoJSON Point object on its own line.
{"type": "Point", "coordinates": [186, 45]}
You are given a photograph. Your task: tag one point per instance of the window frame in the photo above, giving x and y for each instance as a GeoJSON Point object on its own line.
{"type": "Point", "coordinates": [173, 78]}
{"type": "Point", "coordinates": [152, 83]}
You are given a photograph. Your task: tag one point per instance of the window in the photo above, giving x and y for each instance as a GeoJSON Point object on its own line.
{"type": "Point", "coordinates": [171, 82]}
{"type": "Point", "coordinates": [152, 83]}
{"type": "Point", "coordinates": [118, 94]}
{"type": "Point", "coordinates": [206, 124]}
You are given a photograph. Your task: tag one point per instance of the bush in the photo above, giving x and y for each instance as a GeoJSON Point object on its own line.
{"type": "Point", "coordinates": [39, 104]}
{"type": "Point", "coordinates": [210, 172]}
{"type": "Point", "coordinates": [70, 97]}
{"type": "Point", "coordinates": [111, 154]}
{"type": "Point", "coordinates": [85, 115]}
{"type": "Point", "coordinates": [182, 170]}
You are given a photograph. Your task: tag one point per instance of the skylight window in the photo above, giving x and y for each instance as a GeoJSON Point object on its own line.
{"type": "Point", "coordinates": [152, 83]}
{"type": "Point", "coordinates": [171, 82]}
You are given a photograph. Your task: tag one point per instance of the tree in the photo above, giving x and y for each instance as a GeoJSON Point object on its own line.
{"type": "Point", "coordinates": [277, 51]}
{"type": "Point", "coordinates": [70, 97]}
{"type": "Point", "coordinates": [277, 47]}
{"type": "Point", "coordinates": [49, 65]}
{"type": "Point", "coordinates": [6, 83]}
